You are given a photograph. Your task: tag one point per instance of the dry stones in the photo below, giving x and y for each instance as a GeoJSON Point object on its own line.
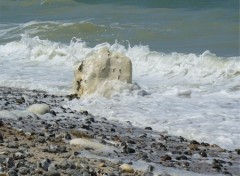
{"type": "Point", "coordinates": [101, 67]}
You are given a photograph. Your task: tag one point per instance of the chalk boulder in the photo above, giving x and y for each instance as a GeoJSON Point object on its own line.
{"type": "Point", "coordinates": [100, 67]}
{"type": "Point", "coordinates": [39, 109]}
{"type": "Point", "coordinates": [127, 168]}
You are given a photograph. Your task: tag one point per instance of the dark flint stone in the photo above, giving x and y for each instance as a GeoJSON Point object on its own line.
{"type": "Point", "coordinates": [128, 150]}
{"type": "Point", "coordinates": [188, 152]}
{"type": "Point", "coordinates": [203, 153]}
{"type": "Point", "coordinates": [9, 162]}
{"type": "Point", "coordinates": [143, 135]}
{"type": "Point", "coordinates": [166, 158]}
{"type": "Point", "coordinates": [238, 151]}
{"type": "Point", "coordinates": [194, 142]}
{"type": "Point", "coordinates": [84, 112]}
{"type": "Point", "coordinates": [143, 155]}
{"type": "Point", "coordinates": [1, 123]}
{"type": "Point", "coordinates": [72, 96]}
{"type": "Point", "coordinates": [67, 136]}
{"type": "Point", "coordinates": [90, 119]}
{"type": "Point", "coordinates": [131, 142]}
{"type": "Point", "coordinates": [24, 170]}
{"type": "Point", "coordinates": [12, 172]}
{"type": "Point", "coordinates": [85, 127]}
{"type": "Point", "coordinates": [148, 128]}
{"type": "Point", "coordinates": [226, 173]}
{"type": "Point", "coordinates": [205, 144]}
{"type": "Point", "coordinates": [112, 130]}
{"type": "Point", "coordinates": [217, 167]}
{"type": "Point", "coordinates": [20, 163]}
{"type": "Point", "coordinates": [53, 113]}
{"type": "Point", "coordinates": [182, 157]}
{"type": "Point", "coordinates": [150, 168]}
{"type": "Point", "coordinates": [1, 138]}
{"type": "Point", "coordinates": [44, 164]}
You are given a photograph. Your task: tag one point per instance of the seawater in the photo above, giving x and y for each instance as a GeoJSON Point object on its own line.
{"type": "Point", "coordinates": [185, 55]}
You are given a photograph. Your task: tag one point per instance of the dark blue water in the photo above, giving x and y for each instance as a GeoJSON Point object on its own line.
{"type": "Point", "coordinates": [188, 26]}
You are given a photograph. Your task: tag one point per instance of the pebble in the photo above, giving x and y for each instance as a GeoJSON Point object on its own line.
{"type": "Point", "coordinates": [44, 164]}
{"type": "Point", "coordinates": [9, 162]}
{"type": "Point", "coordinates": [24, 170]}
{"type": "Point", "coordinates": [166, 158]}
{"type": "Point", "coordinates": [127, 168]}
{"type": "Point", "coordinates": [1, 138]}
{"type": "Point", "coordinates": [59, 124]}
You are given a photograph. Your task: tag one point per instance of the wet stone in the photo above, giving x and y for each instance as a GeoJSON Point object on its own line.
{"type": "Point", "coordinates": [12, 172]}
{"type": "Point", "coordinates": [194, 142]}
{"type": "Point", "coordinates": [1, 138]}
{"type": "Point", "coordinates": [203, 153]}
{"type": "Point", "coordinates": [148, 128]}
{"type": "Point", "coordinates": [238, 151]}
{"type": "Point", "coordinates": [166, 158]}
{"type": "Point", "coordinates": [24, 170]}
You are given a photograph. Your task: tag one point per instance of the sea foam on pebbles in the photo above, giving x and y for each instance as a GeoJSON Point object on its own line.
{"type": "Point", "coordinates": [39, 108]}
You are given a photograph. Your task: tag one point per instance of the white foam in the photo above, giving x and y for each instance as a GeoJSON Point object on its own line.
{"type": "Point", "coordinates": [196, 96]}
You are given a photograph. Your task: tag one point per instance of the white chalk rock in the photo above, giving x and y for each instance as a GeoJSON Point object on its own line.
{"type": "Point", "coordinates": [100, 67]}
{"type": "Point", "coordinates": [39, 108]}
{"type": "Point", "coordinates": [127, 168]}
{"type": "Point", "coordinates": [89, 143]}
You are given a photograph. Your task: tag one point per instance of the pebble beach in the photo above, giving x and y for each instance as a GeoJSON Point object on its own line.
{"type": "Point", "coordinates": [52, 140]}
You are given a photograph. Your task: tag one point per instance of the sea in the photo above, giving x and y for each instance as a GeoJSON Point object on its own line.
{"type": "Point", "coordinates": [184, 53]}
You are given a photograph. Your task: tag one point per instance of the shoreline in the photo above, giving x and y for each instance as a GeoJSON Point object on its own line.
{"type": "Point", "coordinates": [100, 146]}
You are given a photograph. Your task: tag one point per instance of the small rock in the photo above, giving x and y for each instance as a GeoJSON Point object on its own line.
{"type": "Point", "coordinates": [40, 139]}
{"type": "Point", "coordinates": [12, 172]}
{"type": "Point", "coordinates": [44, 164]}
{"type": "Point", "coordinates": [148, 128]}
{"type": "Point", "coordinates": [194, 142]}
{"type": "Point", "coordinates": [166, 158]}
{"type": "Point", "coordinates": [39, 108]}
{"type": "Point", "coordinates": [1, 123]}
{"type": "Point", "coordinates": [23, 170]}
{"type": "Point", "coordinates": [238, 151]}
{"type": "Point", "coordinates": [9, 162]}
{"type": "Point", "coordinates": [1, 138]}
{"type": "Point", "coordinates": [127, 168]}
{"type": "Point", "coordinates": [203, 153]}
{"type": "Point", "coordinates": [18, 155]}
{"type": "Point", "coordinates": [67, 136]}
